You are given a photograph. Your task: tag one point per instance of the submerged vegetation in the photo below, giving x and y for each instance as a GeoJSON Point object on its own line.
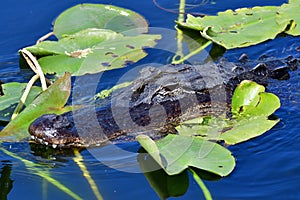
{"type": "Point", "coordinates": [108, 37]}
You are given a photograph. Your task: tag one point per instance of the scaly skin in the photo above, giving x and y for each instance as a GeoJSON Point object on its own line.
{"type": "Point", "coordinates": [157, 101]}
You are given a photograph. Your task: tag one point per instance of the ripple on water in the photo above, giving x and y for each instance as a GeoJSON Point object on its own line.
{"type": "Point", "coordinates": [10, 70]}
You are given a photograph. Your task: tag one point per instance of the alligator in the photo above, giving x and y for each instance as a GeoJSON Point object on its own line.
{"type": "Point", "coordinates": [157, 100]}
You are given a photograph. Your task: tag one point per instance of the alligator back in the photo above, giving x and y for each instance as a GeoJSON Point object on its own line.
{"type": "Point", "coordinates": [153, 104]}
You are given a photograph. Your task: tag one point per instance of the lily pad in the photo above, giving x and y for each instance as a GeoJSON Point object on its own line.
{"type": "Point", "coordinates": [113, 54]}
{"type": "Point", "coordinates": [208, 127]}
{"type": "Point", "coordinates": [246, 94]}
{"type": "Point", "coordinates": [99, 16]}
{"type": "Point", "coordinates": [246, 129]}
{"type": "Point", "coordinates": [251, 107]}
{"type": "Point", "coordinates": [12, 94]}
{"type": "Point", "coordinates": [289, 13]}
{"type": "Point", "coordinates": [177, 153]}
{"type": "Point", "coordinates": [51, 100]}
{"type": "Point", "coordinates": [247, 26]}
{"type": "Point", "coordinates": [77, 45]}
{"type": "Point", "coordinates": [91, 51]}
{"type": "Point", "coordinates": [250, 99]}
{"type": "Point", "coordinates": [238, 28]}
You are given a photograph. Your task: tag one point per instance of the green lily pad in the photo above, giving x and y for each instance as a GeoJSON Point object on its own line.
{"type": "Point", "coordinates": [250, 99]}
{"type": "Point", "coordinates": [77, 45]}
{"type": "Point", "coordinates": [51, 100]}
{"type": "Point", "coordinates": [175, 153]}
{"type": "Point", "coordinates": [12, 94]}
{"type": "Point", "coordinates": [238, 28]}
{"type": "Point", "coordinates": [113, 54]}
{"type": "Point", "coordinates": [91, 51]}
{"type": "Point", "coordinates": [289, 13]}
{"type": "Point", "coordinates": [247, 26]}
{"type": "Point", "coordinates": [251, 107]}
{"type": "Point", "coordinates": [246, 129]}
{"type": "Point", "coordinates": [246, 94]}
{"type": "Point", "coordinates": [59, 64]}
{"type": "Point", "coordinates": [208, 127]}
{"type": "Point", "coordinates": [99, 16]}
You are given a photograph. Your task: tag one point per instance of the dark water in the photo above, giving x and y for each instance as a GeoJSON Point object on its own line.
{"type": "Point", "coordinates": [267, 166]}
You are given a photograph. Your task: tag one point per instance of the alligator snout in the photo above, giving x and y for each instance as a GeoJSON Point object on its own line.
{"type": "Point", "coordinates": [54, 130]}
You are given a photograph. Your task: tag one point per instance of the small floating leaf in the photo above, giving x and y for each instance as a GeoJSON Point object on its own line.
{"type": "Point", "coordinates": [250, 99]}
{"type": "Point", "coordinates": [251, 107]}
{"type": "Point", "coordinates": [246, 94]}
{"type": "Point", "coordinates": [51, 100]}
{"type": "Point", "coordinates": [99, 16]}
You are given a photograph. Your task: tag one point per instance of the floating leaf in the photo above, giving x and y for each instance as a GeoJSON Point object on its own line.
{"type": "Point", "coordinates": [250, 99]}
{"type": "Point", "coordinates": [208, 127]}
{"type": "Point", "coordinates": [99, 16]}
{"type": "Point", "coordinates": [289, 13]}
{"type": "Point", "coordinates": [59, 64]}
{"type": "Point", "coordinates": [238, 28]}
{"type": "Point", "coordinates": [50, 101]}
{"type": "Point", "coordinates": [176, 153]}
{"type": "Point", "coordinates": [247, 128]}
{"type": "Point", "coordinates": [251, 107]}
{"type": "Point", "coordinates": [117, 53]}
{"type": "Point", "coordinates": [12, 94]}
{"type": "Point", "coordinates": [77, 45]}
{"type": "Point", "coordinates": [246, 94]}
{"type": "Point", "coordinates": [91, 51]}
{"type": "Point", "coordinates": [247, 26]}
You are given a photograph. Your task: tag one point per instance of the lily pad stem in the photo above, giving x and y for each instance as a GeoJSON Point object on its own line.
{"type": "Point", "coordinates": [41, 39]}
{"type": "Point", "coordinates": [192, 53]}
{"type": "Point", "coordinates": [204, 189]}
{"type": "Point", "coordinates": [179, 53]}
{"type": "Point", "coordinates": [35, 66]}
{"type": "Point", "coordinates": [24, 96]}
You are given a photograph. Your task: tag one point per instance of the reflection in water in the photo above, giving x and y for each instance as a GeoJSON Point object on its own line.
{"type": "Point", "coordinates": [165, 185]}
{"type": "Point", "coordinates": [6, 183]}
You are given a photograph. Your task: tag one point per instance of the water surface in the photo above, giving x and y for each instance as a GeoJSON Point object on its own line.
{"type": "Point", "coordinates": [267, 166]}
